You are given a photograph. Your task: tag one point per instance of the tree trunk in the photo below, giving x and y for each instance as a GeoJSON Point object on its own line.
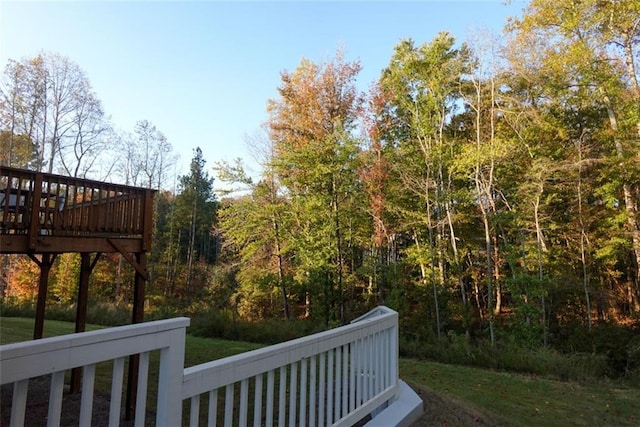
{"type": "Point", "coordinates": [583, 238]}
{"type": "Point", "coordinates": [540, 247]}
{"type": "Point", "coordinates": [118, 283]}
{"type": "Point", "coordinates": [489, 271]}
{"type": "Point", "coordinates": [423, 273]}
{"type": "Point", "coordinates": [339, 260]}
{"type": "Point", "coordinates": [631, 205]}
{"type": "Point", "coordinates": [458, 270]}
{"type": "Point", "coordinates": [285, 303]}
{"type": "Point", "coordinates": [192, 238]}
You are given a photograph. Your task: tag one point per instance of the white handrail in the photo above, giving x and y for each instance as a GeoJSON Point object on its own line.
{"type": "Point", "coordinates": [348, 372]}
{"type": "Point", "coordinates": [54, 356]}
{"type": "Point", "coordinates": [335, 377]}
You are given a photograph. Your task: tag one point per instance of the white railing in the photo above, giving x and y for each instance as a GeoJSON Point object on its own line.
{"type": "Point", "coordinates": [336, 377]}
{"type": "Point", "coordinates": [55, 356]}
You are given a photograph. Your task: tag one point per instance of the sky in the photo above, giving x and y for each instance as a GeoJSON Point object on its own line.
{"type": "Point", "coordinates": [203, 71]}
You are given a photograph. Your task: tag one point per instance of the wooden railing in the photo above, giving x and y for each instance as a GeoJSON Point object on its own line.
{"type": "Point", "coordinates": [333, 378]}
{"type": "Point", "coordinates": [47, 204]}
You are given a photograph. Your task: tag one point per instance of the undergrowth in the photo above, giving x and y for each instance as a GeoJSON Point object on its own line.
{"type": "Point", "coordinates": [604, 353]}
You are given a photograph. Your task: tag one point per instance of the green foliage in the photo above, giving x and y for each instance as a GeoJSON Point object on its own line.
{"type": "Point", "coordinates": [98, 312]}
{"type": "Point", "coordinates": [615, 342]}
{"type": "Point", "coordinates": [478, 195]}
{"type": "Point", "coordinates": [18, 151]}
{"type": "Point", "coordinates": [459, 350]}
{"type": "Point", "coordinates": [64, 285]}
{"type": "Point", "coordinates": [525, 327]}
{"type": "Point", "coordinates": [17, 307]}
{"type": "Point", "coordinates": [214, 323]}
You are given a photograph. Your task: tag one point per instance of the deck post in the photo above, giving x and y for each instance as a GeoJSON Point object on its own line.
{"type": "Point", "coordinates": [137, 317]}
{"type": "Point", "coordinates": [43, 285]}
{"type": "Point", "coordinates": [81, 311]}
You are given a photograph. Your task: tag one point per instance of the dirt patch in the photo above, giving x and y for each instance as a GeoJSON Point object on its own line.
{"type": "Point", "coordinates": [38, 406]}
{"type": "Point", "coordinates": [441, 410]}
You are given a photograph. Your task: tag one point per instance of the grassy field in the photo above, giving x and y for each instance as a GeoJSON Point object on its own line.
{"type": "Point", "coordinates": [498, 398]}
{"type": "Point", "coordinates": [509, 399]}
{"type": "Point", "coordinates": [197, 350]}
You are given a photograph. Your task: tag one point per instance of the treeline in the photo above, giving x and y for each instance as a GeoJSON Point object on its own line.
{"type": "Point", "coordinates": [476, 188]}
{"type": "Point", "coordinates": [488, 189]}
{"type": "Point", "coordinates": [52, 121]}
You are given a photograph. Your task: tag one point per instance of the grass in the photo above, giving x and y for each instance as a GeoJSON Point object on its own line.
{"type": "Point", "coordinates": [504, 398]}
{"type": "Point", "coordinates": [523, 400]}
{"type": "Point", "coordinates": [197, 350]}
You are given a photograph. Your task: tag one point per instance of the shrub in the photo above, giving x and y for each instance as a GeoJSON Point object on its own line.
{"type": "Point", "coordinates": [13, 307]}
{"type": "Point", "coordinates": [98, 313]}
{"type": "Point", "coordinates": [458, 349]}
{"type": "Point", "coordinates": [214, 323]}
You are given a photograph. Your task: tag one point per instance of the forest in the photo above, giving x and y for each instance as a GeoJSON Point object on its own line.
{"type": "Point", "coordinates": [486, 189]}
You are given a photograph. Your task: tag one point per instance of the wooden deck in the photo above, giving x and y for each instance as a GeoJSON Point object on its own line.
{"type": "Point", "coordinates": [43, 215]}
{"type": "Point", "coordinates": [47, 213]}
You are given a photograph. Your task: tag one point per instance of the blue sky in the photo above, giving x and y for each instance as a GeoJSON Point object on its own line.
{"type": "Point", "coordinates": [202, 72]}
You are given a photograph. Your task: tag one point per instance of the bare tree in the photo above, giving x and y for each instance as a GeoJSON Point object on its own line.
{"type": "Point", "coordinates": [48, 101]}
{"type": "Point", "coordinates": [22, 98]}
{"type": "Point", "coordinates": [89, 138]}
{"type": "Point", "coordinates": [154, 154]}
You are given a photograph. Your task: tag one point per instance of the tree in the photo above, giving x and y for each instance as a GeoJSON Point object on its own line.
{"type": "Point", "coordinates": [424, 85]}
{"type": "Point", "coordinates": [195, 217]}
{"type": "Point", "coordinates": [153, 154]}
{"type": "Point", "coordinates": [21, 106]}
{"type": "Point", "coordinates": [17, 151]}
{"type": "Point", "coordinates": [80, 152]}
{"type": "Point", "coordinates": [49, 99]}
{"type": "Point", "coordinates": [311, 125]}
{"type": "Point", "coordinates": [592, 48]}
{"type": "Point", "coordinates": [374, 175]}
{"type": "Point", "coordinates": [253, 226]}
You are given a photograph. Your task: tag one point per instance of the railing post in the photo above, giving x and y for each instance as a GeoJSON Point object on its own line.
{"type": "Point", "coordinates": [169, 412]}
{"type": "Point", "coordinates": [147, 220]}
{"type": "Point", "coordinates": [34, 203]}
{"type": "Point", "coordinates": [394, 374]}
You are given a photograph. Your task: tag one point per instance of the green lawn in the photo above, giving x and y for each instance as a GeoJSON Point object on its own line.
{"type": "Point", "coordinates": [506, 399]}
{"type": "Point", "coordinates": [511, 399]}
{"type": "Point", "coordinates": [198, 350]}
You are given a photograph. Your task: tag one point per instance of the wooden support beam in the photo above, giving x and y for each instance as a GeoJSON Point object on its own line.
{"type": "Point", "coordinates": [19, 244]}
{"type": "Point", "coordinates": [137, 317]}
{"type": "Point", "coordinates": [147, 218]}
{"type": "Point", "coordinates": [45, 267]}
{"type": "Point", "coordinates": [141, 270]}
{"type": "Point", "coordinates": [86, 267]}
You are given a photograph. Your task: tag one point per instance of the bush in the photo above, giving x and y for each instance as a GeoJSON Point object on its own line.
{"type": "Point", "coordinates": [214, 323]}
{"type": "Point", "coordinates": [12, 307]}
{"type": "Point", "coordinates": [110, 314]}
{"type": "Point", "coordinates": [98, 313]}
{"type": "Point", "coordinates": [205, 321]}
{"type": "Point", "coordinates": [459, 350]}
{"type": "Point", "coordinates": [613, 341]}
